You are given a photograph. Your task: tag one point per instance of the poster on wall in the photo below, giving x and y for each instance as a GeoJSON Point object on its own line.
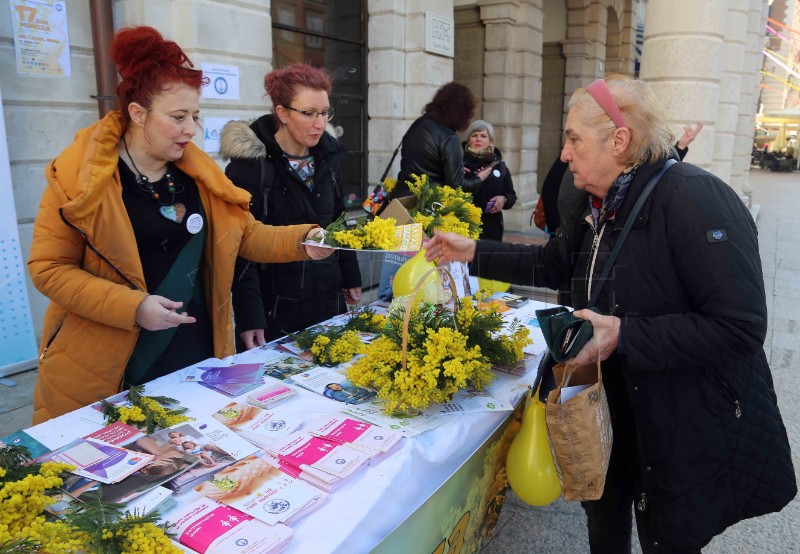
{"type": "Point", "coordinates": [17, 338]}
{"type": "Point", "coordinates": [212, 129]}
{"type": "Point", "coordinates": [223, 82]}
{"type": "Point", "coordinates": [41, 37]}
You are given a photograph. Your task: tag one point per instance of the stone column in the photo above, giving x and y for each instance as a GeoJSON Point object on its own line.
{"type": "Point", "coordinates": [723, 164]}
{"type": "Point", "coordinates": [512, 93]}
{"type": "Point", "coordinates": [682, 61]}
{"type": "Point", "coordinates": [743, 145]}
{"type": "Point", "coordinates": [585, 46]}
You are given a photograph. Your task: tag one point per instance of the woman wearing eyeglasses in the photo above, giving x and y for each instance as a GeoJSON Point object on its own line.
{"type": "Point", "coordinates": [290, 165]}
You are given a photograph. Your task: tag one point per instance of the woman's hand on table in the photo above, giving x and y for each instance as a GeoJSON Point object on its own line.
{"type": "Point", "coordinates": [156, 313]}
{"type": "Point", "coordinates": [252, 338]}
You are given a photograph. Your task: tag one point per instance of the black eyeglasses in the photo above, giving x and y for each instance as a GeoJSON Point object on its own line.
{"type": "Point", "coordinates": [311, 115]}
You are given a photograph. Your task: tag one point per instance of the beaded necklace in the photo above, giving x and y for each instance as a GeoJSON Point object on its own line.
{"type": "Point", "coordinates": [148, 188]}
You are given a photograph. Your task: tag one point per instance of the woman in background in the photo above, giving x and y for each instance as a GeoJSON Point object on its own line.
{"type": "Point", "coordinates": [432, 147]}
{"type": "Point", "coordinates": [497, 191]}
{"type": "Point", "coordinates": [290, 165]}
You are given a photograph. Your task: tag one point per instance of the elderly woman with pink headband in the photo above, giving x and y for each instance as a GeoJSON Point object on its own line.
{"type": "Point", "coordinates": [669, 256]}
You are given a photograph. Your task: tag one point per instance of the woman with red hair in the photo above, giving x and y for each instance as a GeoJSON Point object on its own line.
{"type": "Point", "coordinates": [136, 238]}
{"type": "Point", "coordinates": [290, 165]}
{"type": "Point", "coordinates": [432, 147]}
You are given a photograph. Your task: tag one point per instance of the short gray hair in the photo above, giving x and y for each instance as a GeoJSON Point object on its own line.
{"type": "Point", "coordinates": [481, 125]}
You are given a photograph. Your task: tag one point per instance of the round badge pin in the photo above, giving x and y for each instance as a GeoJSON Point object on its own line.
{"type": "Point", "coordinates": [194, 223]}
{"type": "Point", "coordinates": [496, 173]}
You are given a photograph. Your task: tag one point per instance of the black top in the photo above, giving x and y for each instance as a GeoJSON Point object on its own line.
{"type": "Point", "coordinates": [162, 243]}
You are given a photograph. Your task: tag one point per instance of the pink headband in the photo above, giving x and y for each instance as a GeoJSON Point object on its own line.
{"type": "Point", "coordinates": [599, 91]}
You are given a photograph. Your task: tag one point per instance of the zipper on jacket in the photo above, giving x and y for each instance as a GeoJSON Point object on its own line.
{"type": "Point", "coordinates": [93, 249]}
{"type": "Point", "coordinates": [737, 411]}
{"type": "Point", "coordinates": [641, 505]}
{"type": "Point", "coordinates": [595, 249]}
{"type": "Point", "coordinates": [49, 342]}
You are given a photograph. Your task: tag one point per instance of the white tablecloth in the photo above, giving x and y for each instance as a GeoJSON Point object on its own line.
{"type": "Point", "coordinates": [363, 511]}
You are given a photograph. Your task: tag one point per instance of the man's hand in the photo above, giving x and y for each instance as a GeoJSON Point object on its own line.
{"type": "Point", "coordinates": [450, 247]}
{"type": "Point", "coordinates": [606, 334]}
{"type": "Point", "coordinates": [352, 296]}
{"type": "Point", "coordinates": [252, 338]}
{"type": "Point", "coordinates": [156, 313]}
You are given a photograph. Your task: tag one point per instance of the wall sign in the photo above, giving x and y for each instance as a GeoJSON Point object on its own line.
{"type": "Point", "coordinates": [41, 37]}
{"type": "Point", "coordinates": [223, 82]}
{"type": "Point", "coordinates": [439, 35]}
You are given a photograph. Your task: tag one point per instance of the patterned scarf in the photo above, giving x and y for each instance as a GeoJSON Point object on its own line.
{"type": "Point", "coordinates": [487, 154]}
{"type": "Point", "coordinates": [605, 209]}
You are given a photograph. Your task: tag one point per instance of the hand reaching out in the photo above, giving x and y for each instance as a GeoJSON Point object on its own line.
{"type": "Point", "coordinates": [690, 132]}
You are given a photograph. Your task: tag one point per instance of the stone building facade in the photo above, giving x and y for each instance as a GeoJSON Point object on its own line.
{"type": "Point", "coordinates": [521, 58]}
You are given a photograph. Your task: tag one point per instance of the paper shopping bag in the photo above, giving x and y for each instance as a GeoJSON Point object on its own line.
{"type": "Point", "coordinates": [579, 429]}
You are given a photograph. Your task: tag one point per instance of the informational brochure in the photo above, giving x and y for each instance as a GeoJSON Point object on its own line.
{"type": "Point", "coordinates": [100, 461]}
{"type": "Point", "coordinates": [334, 385]}
{"type": "Point", "coordinates": [368, 438]}
{"type": "Point", "coordinates": [261, 490]}
{"type": "Point", "coordinates": [208, 527]}
{"type": "Point", "coordinates": [258, 426]}
{"type": "Point", "coordinates": [213, 453]}
{"type": "Point", "coordinates": [408, 422]}
{"type": "Point", "coordinates": [465, 401]}
{"type": "Point", "coordinates": [116, 433]}
{"type": "Point", "coordinates": [287, 365]}
{"type": "Point", "coordinates": [329, 460]}
{"type": "Point", "coordinates": [21, 438]}
{"type": "Point", "coordinates": [167, 463]}
{"type": "Point", "coordinates": [232, 380]}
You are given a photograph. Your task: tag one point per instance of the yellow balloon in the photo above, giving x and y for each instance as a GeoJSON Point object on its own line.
{"type": "Point", "coordinates": [411, 273]}
{"type": "Point", "coordinates": [530, 469]}
{"type": "Point", "coordinates": [492, 286]}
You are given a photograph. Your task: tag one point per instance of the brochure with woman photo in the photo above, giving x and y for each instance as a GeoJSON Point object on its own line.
{"type": "Point", "coordinates": [332, 384]}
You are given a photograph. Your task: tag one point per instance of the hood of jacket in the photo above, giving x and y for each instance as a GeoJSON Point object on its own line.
{"type": "Point", "coordinates": [253, 140]}
{"type": "Point", "coordinates": [86, 167]}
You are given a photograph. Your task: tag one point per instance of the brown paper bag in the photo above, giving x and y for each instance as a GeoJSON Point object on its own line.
{"type": "Point", "coordinates": [580, 431]}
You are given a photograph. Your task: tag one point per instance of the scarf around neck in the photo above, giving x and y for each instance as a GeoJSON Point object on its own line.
{"type": "Point", "coordinates": [605, 209]}
{"type": "Point", "coordinates": [487, 154]}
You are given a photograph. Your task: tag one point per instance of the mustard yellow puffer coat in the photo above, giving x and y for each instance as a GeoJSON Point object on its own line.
{"type": "Point", "coordinates": [85, 260]}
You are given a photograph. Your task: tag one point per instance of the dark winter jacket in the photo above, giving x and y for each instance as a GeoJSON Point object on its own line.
{"type": "Point", "coordinates": [690, 366]}
{"type": "Point", "coordinates": [498, 183]}
{"type": "Point", "coordinates": [287, 297]}
{"type": "Point", "coordinates": [435, 150]}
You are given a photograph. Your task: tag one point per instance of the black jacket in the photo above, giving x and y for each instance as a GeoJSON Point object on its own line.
{"type": "Point", "coordinates": [435, 150]}
{"type": "Point", "coordinates": [494, 185]}
{"type": "Point", "coordinates": [283, 298]}
{"type": "Point", "coordinates": [690, 369]}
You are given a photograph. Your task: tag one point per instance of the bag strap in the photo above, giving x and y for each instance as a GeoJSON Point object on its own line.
{"type": "Point", "coordinates": [391, 161]}
{"type": "Point", "coordinates": [626, 231]}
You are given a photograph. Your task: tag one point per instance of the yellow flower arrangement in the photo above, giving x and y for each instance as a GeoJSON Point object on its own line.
{"type": "Point", "coordinates": [443, 208]}
{"type": "Point", "coordinates": [361, 233]}
{"type": "Point", "coordinates": [98, 526]}
{"type": "Point", "coordinates": [445, 353]}
{"type": "Point", "coordinates": [334, 345]}
{"type": "Point", "coordinates": [150, 412]}
{"type": "Point", "coordinates": [388, 184]}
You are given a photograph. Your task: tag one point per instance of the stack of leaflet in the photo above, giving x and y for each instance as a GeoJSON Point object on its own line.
{"type": "Point", "coordinates": [323, 463]}
{"type": "Point", "coordinates": [260, 427]}
{"type": "Point", "coordinates": [165, 462]}
{"type": "Point", "coordinates": [214, 444]}
{"type": "Point", "coordinates": [208, 527]}
{"type": "Point", "coordinates": [263, 491]}
{"type": "Point", "coordinates": [99, 461]}
{"type": "Point", "coordinates": [231, 380]}
{"type": "Point", "coordinates": [374, 441]}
